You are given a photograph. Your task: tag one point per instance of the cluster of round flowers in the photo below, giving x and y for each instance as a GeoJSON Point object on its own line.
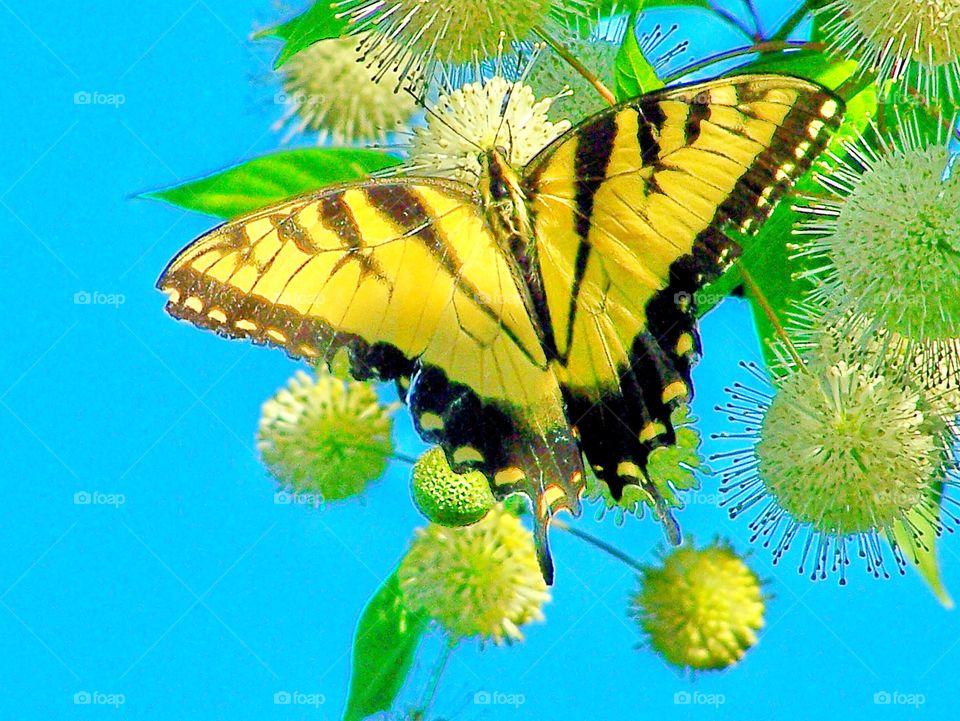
{"type": "Point", "coordinates": [851, 447]}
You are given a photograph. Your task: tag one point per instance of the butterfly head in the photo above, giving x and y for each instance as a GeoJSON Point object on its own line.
{"type": "Point", "coordinates": [497, 177]}
{"type": "Point", "coordinates": [502, 193]}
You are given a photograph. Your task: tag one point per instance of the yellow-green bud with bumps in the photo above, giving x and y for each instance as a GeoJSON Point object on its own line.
{"type": "Point", "coordinates": [447, 498]}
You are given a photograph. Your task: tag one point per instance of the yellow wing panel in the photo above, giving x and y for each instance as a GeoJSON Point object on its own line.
{"type": "Point", "coordinates": [629, 210]}
{"type": "Point", "coordinates": [408, 278]}
{"type": "Point", "coordinates": [361, 263]}
{"type": "Point", "coordinates": [624, 197]}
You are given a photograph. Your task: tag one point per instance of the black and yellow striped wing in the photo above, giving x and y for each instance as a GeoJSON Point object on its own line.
{"type": "Point", "coordinates": [407, 277]}
{"type": "Point", "coordinates": [629, 210]}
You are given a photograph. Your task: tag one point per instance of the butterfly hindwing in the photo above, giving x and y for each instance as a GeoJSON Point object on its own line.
{"type": "Point", "coordinates": [408, 279]}
{"type": "Point", "coordinates": [629, 210]}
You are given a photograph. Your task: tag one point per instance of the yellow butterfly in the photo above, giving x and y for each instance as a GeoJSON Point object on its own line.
{"type": "Point", "coordinates": [543, 317]}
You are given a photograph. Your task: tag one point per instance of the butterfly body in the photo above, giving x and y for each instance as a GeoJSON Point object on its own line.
{"type": "Point", "coordinates": [543, 316]}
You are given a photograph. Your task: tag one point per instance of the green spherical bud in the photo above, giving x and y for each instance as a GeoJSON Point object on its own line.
{"type": "Point", "coordinates": [702, 608]}
{"type": "Point", "coordinates": [326, 436]}
{"type": "Point", "coordinates": [448, 498]}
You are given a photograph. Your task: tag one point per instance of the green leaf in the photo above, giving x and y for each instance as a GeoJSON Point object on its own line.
{"type": "Point", "coordinates": [383, 649]}
{"type": "Point", "coordinates": [320, 22]}
{"type": "Point", "coordinates": [634, 74]}
{"type": "Point", "coordinates": [919, 546]}
{"type": "Point", "coordinates": [767, 257]}
{"type": "Point", "coordinates": [271, 178]}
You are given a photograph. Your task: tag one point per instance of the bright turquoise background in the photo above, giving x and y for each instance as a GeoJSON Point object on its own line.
{"type": "Point", "coordinates": [198, 597]}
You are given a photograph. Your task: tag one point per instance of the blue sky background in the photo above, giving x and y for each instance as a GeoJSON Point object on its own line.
{"type": "Point", "coordinates": [198, 597]}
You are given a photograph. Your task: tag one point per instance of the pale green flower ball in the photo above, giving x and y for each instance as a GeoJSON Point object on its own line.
{"type": "Point", "coordinates": [325, 435]}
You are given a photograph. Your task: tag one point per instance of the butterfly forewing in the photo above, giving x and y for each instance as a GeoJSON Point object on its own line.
{"type": "Point", "coordinates": [629, 211]}
{"type": "Point", "coordinates": [407, 277]}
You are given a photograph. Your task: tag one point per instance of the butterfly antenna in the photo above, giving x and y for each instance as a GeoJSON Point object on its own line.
{"type": "Point", "coordinates": [503, 111]}
{"type": "Point", "coordinates": [509, 94]}
{"type": "Point", "coordinates": [536, 49]}
{"type": "Point", "coordinates": [509, 140]}
{"type": "Point", "coordinates": [526, 67]}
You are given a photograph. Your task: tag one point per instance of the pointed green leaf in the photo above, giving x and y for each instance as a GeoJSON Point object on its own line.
{"type": "Point", "coordinates": [634, 75]}
{"type": "Point", "coordinates": [920, 548]}
{"type": "Point", "coordinates": [383, 649]}
{"type": "Point", "coordinates": [320, 22]}
{"type": "Point", "coordinates": [271, 178]}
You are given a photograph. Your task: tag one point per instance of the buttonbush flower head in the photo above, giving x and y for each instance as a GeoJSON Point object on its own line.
{"type": "Point", "coordinates": [575, 98]}
{"type": "Point", "coordinates": [325, 436]}
{"type": "Point", "coordinates": [916, 40]}
{"type": "Point", "coordinates": [701, 609]}
{"type": "Point", "coordinates": [481, 580]}
{"type": "Point", "coordinates": [447, 498]}
{"type": "Point", "coordinates": [887, 240]}
{"type": "Point", "coordinates": [482, 115]}
{"type": "Point", "coordinates": [933, 367]}
{"type": "Point", "coordinates": [671, 468]}
{"type": "Point", "coordinates": [843, 450]}
{"type": "Point", "coordinates": [327, 89]}
{"type": "Point", "coordinates": [409, 34]}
